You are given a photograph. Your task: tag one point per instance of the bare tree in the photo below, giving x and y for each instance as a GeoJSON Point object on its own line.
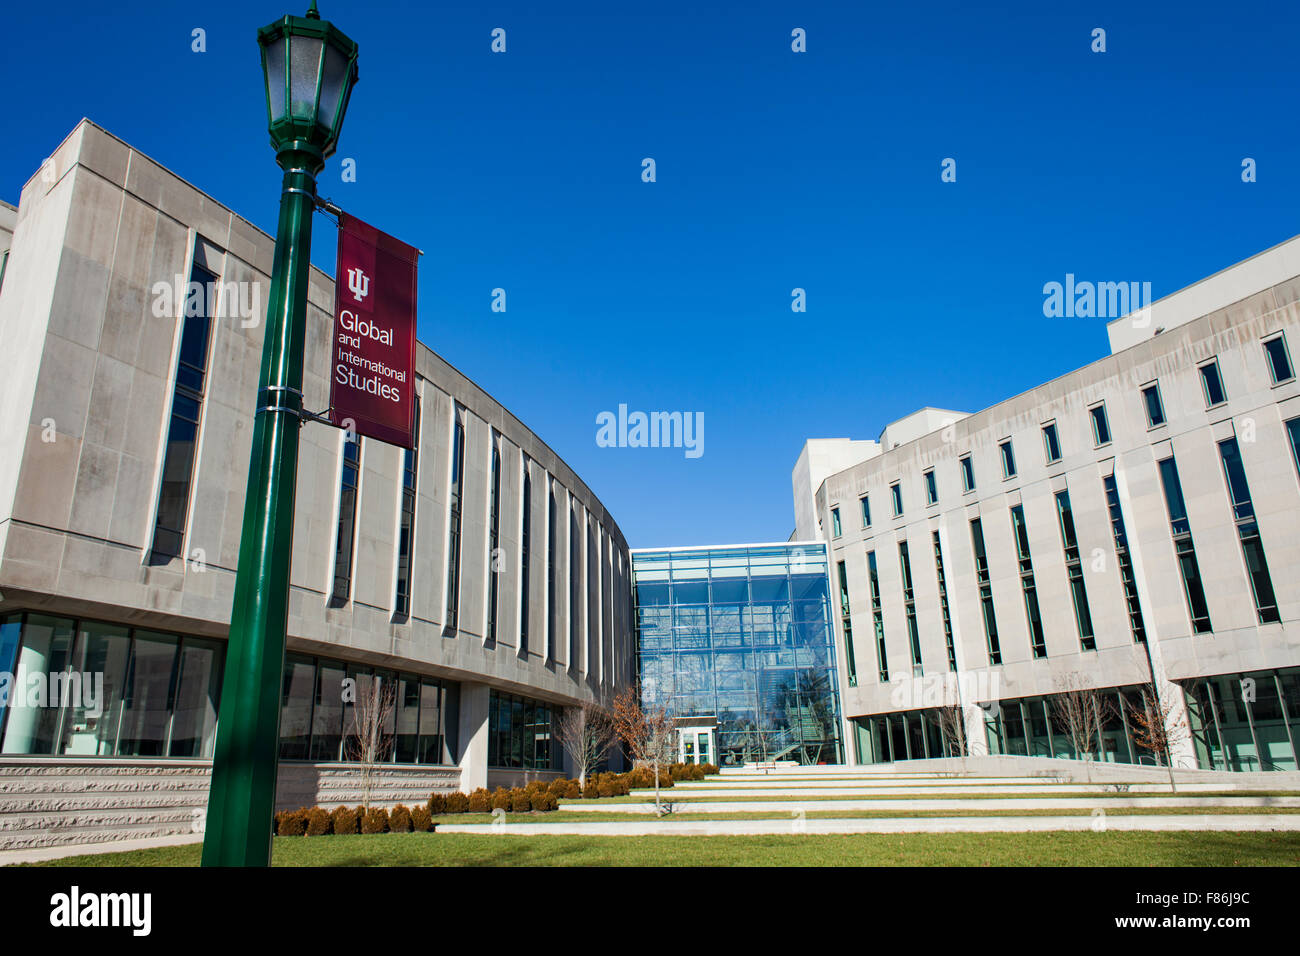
{"type": "Point", "coordinates": [586, 732]}
{"type": "Point", "coordinates": [1079, 712]}
{"type": "Point", "coordinates": [369, 741]}
{"type": "Point", "coordinates": [952, 727]}
{"type": "Point", "coordinates": [1157, 726]}
{"type": "Point", "coordinates": [647, 732]}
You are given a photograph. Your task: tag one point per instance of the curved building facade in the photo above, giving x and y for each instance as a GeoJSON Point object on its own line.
{"type": "Point", "coordinates": [478, 573]}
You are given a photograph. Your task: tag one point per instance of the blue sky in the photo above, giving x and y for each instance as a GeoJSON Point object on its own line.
{"type": "Point", "coordinates": [775, 170]}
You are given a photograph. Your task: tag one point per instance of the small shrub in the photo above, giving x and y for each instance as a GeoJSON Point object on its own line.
{"type": "Point", "coordinates": [375, 820]}
{"type": "Point", "coordinates": [457, 803]}
{"type": "Point", "coordinates": [520, 800]}
{"type": "Point", "coordinates": [345, 820]}
{"type": "Point", "coordinates": [709, 769]}
{"type": "Point", "coordinates": [544, 801]}
{"type": "Point", "coordinates": [533, 786]}
{"type": "Point", "coordinates": [557, 786]}
{"type": "Point", "coordinates": [500, 799]}
{"type": "Point", "coordinates": [318, 822]}
{"type": "Point", "coordinates": [480, 801]}
{"type": "Point", "coordinates": [438, 804]}
{"type": "Point", "coordinates": [592, 790]}
{"type": "Point", "coordinates": [399, 819]}
{"type": "Point", "coordinates": [421, 819]}
{"type": "Point", "coordinates": [291, 822]}
{"type": "Point", "coordinates": [572, 790]}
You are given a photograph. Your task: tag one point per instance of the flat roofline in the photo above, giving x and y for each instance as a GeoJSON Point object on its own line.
{"type": "Point", "coordinates": [727, 547]}
{"type": "Point", "coordinates": [1204, 279]}
{"type": "Point", "coordinates": [1064, 375]}
{"type": "Point", "coordinates": [332, 280]}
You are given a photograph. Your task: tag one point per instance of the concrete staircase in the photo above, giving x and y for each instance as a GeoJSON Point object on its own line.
{"type": "Point", "coordinates": [983, 795]}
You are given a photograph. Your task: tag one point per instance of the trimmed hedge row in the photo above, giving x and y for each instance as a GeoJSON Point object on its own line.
{"type": "Point", "coordinates": [537, 797]}
{"type": "Point", "coordinates": [316, 821]}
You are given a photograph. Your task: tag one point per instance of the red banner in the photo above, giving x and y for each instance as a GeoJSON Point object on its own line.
{"type": "Point", "coordinates": [372, 386]}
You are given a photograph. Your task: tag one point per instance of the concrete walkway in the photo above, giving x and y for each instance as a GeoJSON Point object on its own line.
{"type": "Point", "coordinates": [673, 827]}
{"type": "Point", "coordinates": [955, 806]}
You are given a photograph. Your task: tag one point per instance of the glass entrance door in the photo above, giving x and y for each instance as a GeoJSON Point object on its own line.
{"type": "Point", "coordinates": [695, 745]}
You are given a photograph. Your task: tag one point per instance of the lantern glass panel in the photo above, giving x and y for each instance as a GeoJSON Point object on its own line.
{"type": "Point", "coordinates": [332, 85]}
{"type": "Point", "coordinates": [304, 71]}
{"type": "Point", "coordinates": [275, 67]}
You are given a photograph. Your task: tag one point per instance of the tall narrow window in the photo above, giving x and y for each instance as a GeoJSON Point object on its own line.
{"type": "Point", "coordinates": [1074, 572]}
{"type": "Point", "coordinates": [1124, 560]}
{"type": "Point", "coordinates": [406, 532]}
{"type": "Point", "coordinates": [967, 474]}
{"type": "Point", "coordinates": [1252, 549]}
{"type": "Point", "coordinates": [1051, 443]}
{"type": "Point", "coordinates": [1180, 528]}
{"type": "Point", "coordinates": [349, 479]}
{"type": "Point", "coordinates": [1008, 459]}
{"type": "Point", "coordinates": [1212, 384]}
{"type": "Point", "coordinates": [909, 607]}
{"type": "Point", "coordinates": [835, 523]}
{"type": "Point", "coordinates": [525, 555]}
{"type": "Point", "coordinates": [1155, 408]}
{"type": "Point", "coordinates": [1037, 641]}
{"type": "Point", "coordinates": [931, 488]}
{"type": "Point", "coordinates": [453, 520]}
{"type": "Point", "coordinates": [183, 431]}
{"type": "Point", "coordinates": [896, 494]}
{"type": "Point", "coordinates": [866, 511]}
{"type": "Point", "coordinates": [494, 540]}
{"type": "Point", "coordinates": [1293, 433]}
{"type": "Point", "coordinates": [877, 616]}
{"type": "Point", "coordinates": [943, 602]}
{"type": "Point", "coordinates": [575, 585]}
{"type": "Point", "coordinates": [1100, 425]}
{"type": "Point", "coordinates": [846, 624]}
{"type": "Point", "coordinates": [1279, 361]}
{"type": "Point", "coordinates": [985, 582]}
{"type": "Point", "coordinates": [552, 612]}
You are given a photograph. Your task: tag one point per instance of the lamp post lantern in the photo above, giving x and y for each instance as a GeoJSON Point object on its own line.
{"type": "Point", "coordinates": [310, 68]}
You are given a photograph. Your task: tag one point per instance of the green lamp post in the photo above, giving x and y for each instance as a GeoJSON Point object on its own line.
{"type": "Point", "coordinates": [310, 69]}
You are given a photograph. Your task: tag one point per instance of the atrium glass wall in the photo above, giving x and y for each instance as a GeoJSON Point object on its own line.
{"type": "Point", "coordinates": [87, 688]}
{"type": "Point", "coordinates": [743, 634]}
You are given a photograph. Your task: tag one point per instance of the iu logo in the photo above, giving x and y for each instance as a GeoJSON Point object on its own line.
{"type": "Point", "coordinates": [358, 284]}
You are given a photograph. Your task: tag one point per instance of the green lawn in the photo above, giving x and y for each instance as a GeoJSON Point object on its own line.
{"type": "Point", "coordinates": [919, 849]}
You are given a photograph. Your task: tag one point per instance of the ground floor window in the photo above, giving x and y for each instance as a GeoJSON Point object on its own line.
{"type": "Point", "coordinates": [87, 688]}
{"type": "Point", "coordinates": [519, 734]}
{"type": "Point", "coordinates": [327, 706]}
{"type": "Point", "coordinates": [1245, 721]}
{"type": "Point", "coordinates": [1248, 721]}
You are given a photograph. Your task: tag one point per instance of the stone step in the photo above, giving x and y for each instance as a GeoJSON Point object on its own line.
{"type": "Point", "coordinates": [684, 793]}
{"type": "Point", "coordinates": [953, 806]}
{"type": "Point", "coordinates": [1003, 824]}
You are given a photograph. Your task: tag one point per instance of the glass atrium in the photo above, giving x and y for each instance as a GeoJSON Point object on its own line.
{"type": "Point", "coordinates": [743, 634]}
